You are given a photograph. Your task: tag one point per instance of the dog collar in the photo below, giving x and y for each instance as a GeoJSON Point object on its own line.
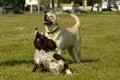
{"type": "Point", "coordinates": [53, 30]}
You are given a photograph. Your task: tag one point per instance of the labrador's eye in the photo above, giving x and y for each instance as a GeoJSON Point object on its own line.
{"type": "Point", "coordinates": [51, 16]}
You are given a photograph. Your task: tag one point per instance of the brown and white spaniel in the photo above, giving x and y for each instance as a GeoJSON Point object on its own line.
{"type": "Point", "coordinates": [45, 58]}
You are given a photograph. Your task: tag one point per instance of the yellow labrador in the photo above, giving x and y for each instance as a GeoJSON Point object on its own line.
{"type": "Point", "coordinates": [68, 38]}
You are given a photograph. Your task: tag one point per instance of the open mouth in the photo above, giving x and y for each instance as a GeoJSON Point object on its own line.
{"type": "Point", "coordinates": [47, 20]}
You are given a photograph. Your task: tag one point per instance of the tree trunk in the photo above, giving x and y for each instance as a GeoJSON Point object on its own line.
{"type": "Point", "coordinates": [92, 8]}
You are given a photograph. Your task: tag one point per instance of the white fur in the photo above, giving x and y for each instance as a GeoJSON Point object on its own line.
{"type": "Point", "coordinates": [68, 38]}
{"type": "Point", "coordinates": [48, 61]}
{"type": "Point", "coordinates": [68, 72]}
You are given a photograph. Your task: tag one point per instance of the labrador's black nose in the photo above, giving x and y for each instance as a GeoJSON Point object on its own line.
{"type": "Point", "coordinates": [45, 12]}
{"type": "Point", "coordinates": [45, 17]}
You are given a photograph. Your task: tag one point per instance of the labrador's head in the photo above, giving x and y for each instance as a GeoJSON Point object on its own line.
{"type": "Point", "coordinates": [50, 19]}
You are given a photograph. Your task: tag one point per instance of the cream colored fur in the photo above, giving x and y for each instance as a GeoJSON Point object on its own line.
{"type": "Point", "coordinates": [68, 38]}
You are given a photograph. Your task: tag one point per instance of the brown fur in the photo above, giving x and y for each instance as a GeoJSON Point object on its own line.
{"type": "Point", "coordinates": [42, 42]}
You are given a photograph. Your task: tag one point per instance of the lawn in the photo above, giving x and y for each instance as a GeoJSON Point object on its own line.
{"type": "Point", "coordinates": [100, 56]}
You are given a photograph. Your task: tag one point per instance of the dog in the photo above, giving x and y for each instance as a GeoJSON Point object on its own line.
{"type": "Point", "coordinates": [68, 38]}
{"type": "Point", "coordinates": [45, 57]}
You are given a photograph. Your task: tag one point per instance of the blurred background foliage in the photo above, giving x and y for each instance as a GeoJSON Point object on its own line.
{"type": "Point", "coordinates": [19, 4]}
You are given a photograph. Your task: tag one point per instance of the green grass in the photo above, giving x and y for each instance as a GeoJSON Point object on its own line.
{"type": "Point", "coordinates": [100, 47]}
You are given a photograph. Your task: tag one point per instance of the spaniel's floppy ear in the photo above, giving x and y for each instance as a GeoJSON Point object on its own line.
{"type": "Point", "coordinates": [57, 21]}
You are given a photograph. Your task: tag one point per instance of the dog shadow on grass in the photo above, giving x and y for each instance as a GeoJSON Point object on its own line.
{"type": "Point", "coordinates": [85, 61]}
{"type": "Point", "coordinates": [19, 62]}
{"type": "Point", "coordinates": [89, 60]}
{"type": "Point", "coordinates": [15, 62]}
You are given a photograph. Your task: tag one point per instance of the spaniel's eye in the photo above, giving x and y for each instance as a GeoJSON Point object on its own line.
{"type": "Point", "coordinates": [41, 37]}
{"type": "Point", "coordinates": [38, 39]}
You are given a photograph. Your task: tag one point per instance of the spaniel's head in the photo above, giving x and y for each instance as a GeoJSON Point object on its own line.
{"type": "Point", "coordinates": [42, 42]}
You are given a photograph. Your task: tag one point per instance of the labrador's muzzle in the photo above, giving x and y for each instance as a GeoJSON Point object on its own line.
{"type": "Point", "coordinates": [47, 20]}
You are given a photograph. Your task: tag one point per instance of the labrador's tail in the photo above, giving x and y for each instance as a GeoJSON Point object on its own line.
{"type": "Point", "coordinates": [77, 24]}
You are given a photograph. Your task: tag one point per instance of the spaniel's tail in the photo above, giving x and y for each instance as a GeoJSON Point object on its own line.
{"type": "Point", "coordinates": [68, 72]}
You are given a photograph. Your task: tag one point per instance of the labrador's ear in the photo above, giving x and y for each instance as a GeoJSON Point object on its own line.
{"type": "Point", "coordinates": [57, 21]}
